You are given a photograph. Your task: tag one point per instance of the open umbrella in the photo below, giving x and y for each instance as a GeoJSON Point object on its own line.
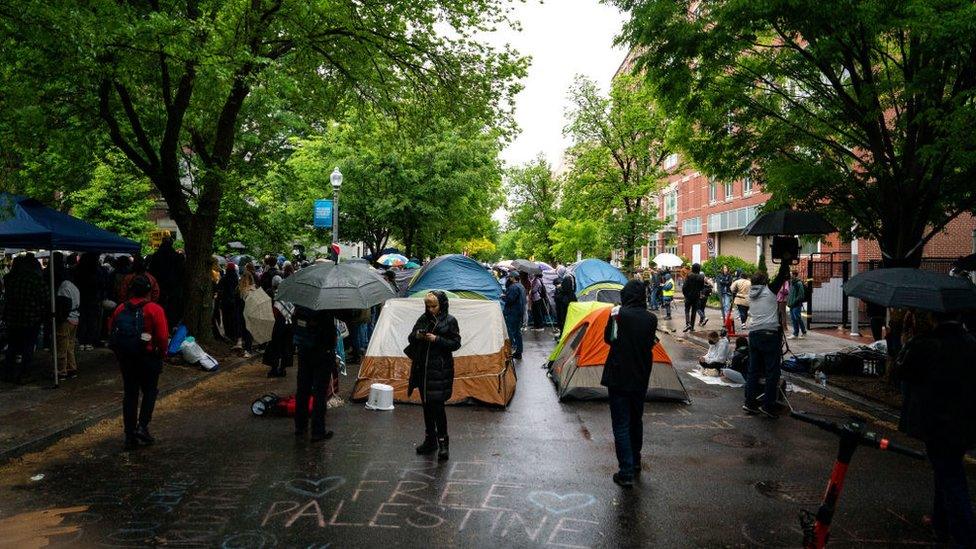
{"type": "Point", "coordinates": [259, 316]}
{"type": "Point", "coordinates": [325, 286]}
{"type": "Point", "coordinates": [667, 260]}
{"type": "Point", "coordinates": [914, 289]}
{"type": "Point", "coordinates": [392, 260]}
{"type": "Point", "coordinates": [505, 265]}
{"type": "Point", "coordinates": [788, 222]}
{"type": "Point", "coordinates": [526, 266]}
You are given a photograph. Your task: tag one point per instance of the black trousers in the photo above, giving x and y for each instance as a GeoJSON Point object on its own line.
{"type": "Point", "coordinates": [21, 340]}
{"type": "Point", "coordinates": [435, 419]}
{"type": "Point", "coordinates": [140, 375]}
{"type": "Point", "coordinates": [538, 314]}
{"type": "Point", "coordinates": [314, 378]}
{"type": "Point", "coordinates": [691, 310]}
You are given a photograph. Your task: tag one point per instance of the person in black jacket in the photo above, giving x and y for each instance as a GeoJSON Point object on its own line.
{"type": "Point", "coordinates": [938, 377]}
{"type": "Point", "coordinates": [692, 290]}
{"type": "Point", "coordinates": [315, 338]}
{"type": "Point", "coordinates": [630, 332]}
{"type": "Point", "coordinates": [432, 341]}
{"type": "Point", "coordinates": [565, 294]}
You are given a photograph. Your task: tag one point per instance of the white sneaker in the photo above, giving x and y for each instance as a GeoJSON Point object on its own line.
{"type": "Point", "coordinates": [791, 336]}
{"type": "Point", "coordinates": [247, 354]}
{"type": "Point", "coordinates": [803, 335]}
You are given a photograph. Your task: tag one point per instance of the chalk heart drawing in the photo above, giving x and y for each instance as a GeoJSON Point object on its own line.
{"type": "Point", "coordinates": [314, 488]}
{"type": "Point", "coordinates": [559, 504]}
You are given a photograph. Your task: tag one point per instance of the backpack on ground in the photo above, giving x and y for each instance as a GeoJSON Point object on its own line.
{"type": "Point", "coordinates": [127, 330]}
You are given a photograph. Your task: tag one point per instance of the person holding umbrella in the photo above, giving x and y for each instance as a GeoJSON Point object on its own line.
{"type": "Point", "coordinates": [432, 341]}
{"type": "Point", "coordinates": [315, 338]}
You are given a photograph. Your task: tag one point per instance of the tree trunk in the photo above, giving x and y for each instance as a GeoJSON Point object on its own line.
{"type": "Point", "coordinates": [198, 312]}
{"type": "Point", "coordinates": [899, 242]}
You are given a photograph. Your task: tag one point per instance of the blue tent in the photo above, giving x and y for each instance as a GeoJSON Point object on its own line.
{"type": "Point", "coordinates": [456, 273]}
{"type": "Point", "coordinates": [594, 271]}
{"type": "Point", "coordinates": [30, 224]}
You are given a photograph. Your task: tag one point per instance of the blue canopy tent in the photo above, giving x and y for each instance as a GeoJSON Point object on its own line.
{"type": "Point", "coordinates": [594, 271]}
{"type": "Point", "coordinates": [456, 273]}
{"type": "Point", "coordinates": [26, 223]}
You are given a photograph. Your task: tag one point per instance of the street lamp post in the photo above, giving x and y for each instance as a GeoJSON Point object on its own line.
{"type": "Point", "coordinates": [336, 179]}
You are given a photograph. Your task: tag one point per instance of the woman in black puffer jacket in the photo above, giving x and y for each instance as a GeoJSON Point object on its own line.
{"type": "Point", "coordinates": [433, 339]}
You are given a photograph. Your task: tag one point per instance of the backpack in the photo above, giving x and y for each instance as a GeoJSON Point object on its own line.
{"type": "Point", "coordinates": [127, 330]}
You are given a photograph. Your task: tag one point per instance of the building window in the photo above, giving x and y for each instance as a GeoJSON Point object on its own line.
{"type": "Point", "coordinates": [732, 219]}
{"type": "Point", "coordinates": [691, 226]}
{"type": "Point", "coordinates": [671, 161]}
{"type": "Point", "coordinates": [728, 190]}
{"type": "Point", "coordinates": [712, 190]}
{"type": "Point", "coordinates": [652, 245]}
{"type": "Point", "coordinates": [808, 247]}
{"type": "Point", "coordinates": [670, 207]}
{"type": "Point", "coordinates": [746, 186]}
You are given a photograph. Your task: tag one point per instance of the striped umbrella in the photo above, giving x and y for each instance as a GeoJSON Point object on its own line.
{"type": "Point", "coordinates": [392, 260]}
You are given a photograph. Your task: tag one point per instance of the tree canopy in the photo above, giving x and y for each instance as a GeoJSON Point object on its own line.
{"type": "Point", "coordinates": [862, 110]}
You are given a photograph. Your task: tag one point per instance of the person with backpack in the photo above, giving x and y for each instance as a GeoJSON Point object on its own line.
{"type": "Point", "coordinates": [794, 301]}
{"type": "Point", "coordinates": [139, 335]}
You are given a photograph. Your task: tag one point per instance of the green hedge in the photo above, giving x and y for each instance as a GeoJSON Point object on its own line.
{"type": "Point", "coordinates": [714, 265]}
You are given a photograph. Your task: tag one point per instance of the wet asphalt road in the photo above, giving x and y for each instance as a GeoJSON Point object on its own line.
{"type": "Point", "coordinates": [534, 475]}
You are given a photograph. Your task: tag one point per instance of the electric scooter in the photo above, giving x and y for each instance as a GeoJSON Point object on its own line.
{"type": "Point", "coordinates": [853, 433]}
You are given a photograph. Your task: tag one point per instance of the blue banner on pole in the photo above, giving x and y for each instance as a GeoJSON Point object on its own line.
{"type": "Point", "coordinates": [323, 214]}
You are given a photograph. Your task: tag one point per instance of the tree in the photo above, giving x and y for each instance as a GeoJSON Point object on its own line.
{"type": "Point", "coordinates": [862, 110]}
{"type": "Point", "coordinates": [586, 236]}
{"type": "Point", "coordinates": [198, 94]}
{"type": "Point", "coordinates": [620, 143]}
{"type": "Point", "coordinates": [117, 199]}
{"type": "Point", "coordinates": [533, 196]}
{"type": "Point", "coordinates": [431, 191]}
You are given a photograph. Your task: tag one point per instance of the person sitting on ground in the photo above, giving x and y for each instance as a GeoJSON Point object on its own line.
{"type": "Point", "coordinates": [718, 354]}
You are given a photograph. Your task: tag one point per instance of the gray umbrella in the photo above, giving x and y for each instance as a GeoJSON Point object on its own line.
{"type": "Point", "coordinates": [914, 289]}
{"type": "Point", "coordinates": [527, 267]}
{"type": "Point", "coordinates": [328, 287]}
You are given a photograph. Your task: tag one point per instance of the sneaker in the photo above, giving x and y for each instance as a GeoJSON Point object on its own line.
{"type": "Point", "coordinates": [791, 336]}
{"type": "Point", "coordinates": [316, 437]}
{"type": "Point", "coordinates": [802, 336]}
{"type": "Point", "coordinates": [687, 328]}
{"type": "Point", "coordinates": [142, 435]}
{"type": "Point", "coordinates": [247, 354]}
{"type": "Point", "coordinates": [237, 345]}
{"type": "Point", "coordinates": [702, 323]}
{"type": "Point", "coordinates": [622, 481]}
{"type": "Point", "coordinates": [751, 409]}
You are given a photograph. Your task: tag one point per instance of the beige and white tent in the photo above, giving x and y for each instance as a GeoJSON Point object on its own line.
{"type": "Point", "coordinates": [483, 368]}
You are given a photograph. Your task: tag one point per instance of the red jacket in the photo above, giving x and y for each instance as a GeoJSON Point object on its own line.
{"type": "Point", "coordinates": [155, 321]}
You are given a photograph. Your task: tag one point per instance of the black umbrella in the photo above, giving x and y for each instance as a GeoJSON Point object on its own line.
{"type": "Point", "coordinates": [914, 289]}
{"type": "Point", "coordinates": [967, 263]}
{"type": "Point", "coordinates": [526, 266]}
{"type": "Point", "coordinates": [788, 222]}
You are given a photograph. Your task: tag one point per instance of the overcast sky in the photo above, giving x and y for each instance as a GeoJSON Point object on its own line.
{"type": "Point", "coordinates": [564, 38]}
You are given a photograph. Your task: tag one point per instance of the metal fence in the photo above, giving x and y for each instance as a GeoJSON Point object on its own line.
{"type": "Point", "coordinates": [826, 275]}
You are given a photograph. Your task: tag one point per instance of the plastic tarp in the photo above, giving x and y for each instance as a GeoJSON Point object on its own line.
{"type": "Point", "coordinates": [483, 370]}
{"type": "Point", "coordinates": [29, 224]}
{"type": "Point", "coordinates": [578, 368]}
{"type": "Point", "coordinates": [456, 273]}
{"type": "Point", "coordinates": [577, 311]}
{"type": "Point", "coordinates": [593, 271]}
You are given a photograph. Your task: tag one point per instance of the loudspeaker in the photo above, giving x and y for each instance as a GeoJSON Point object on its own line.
{"type": "Point", "coordinates": [786, 244]}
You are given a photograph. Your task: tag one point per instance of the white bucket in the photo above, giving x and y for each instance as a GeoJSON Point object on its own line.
{"type": "Point", "coordinates": [380, 397]}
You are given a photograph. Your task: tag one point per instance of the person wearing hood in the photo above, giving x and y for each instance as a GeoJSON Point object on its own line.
{"type": "Point", "coordinates": [631, 334]}
{"type": "Point", "coordinates": [667, 295]}
{"type": "Point", "coordinates": [565, 294]}
{"type": "Point", "coordinates": [432, 341]}
{"type": "Point", "coordinates": [227, 298]}
{"type": "Point", "coordinates": [765, 339]}
{"type": "Point", "coordinates": [514, 301]}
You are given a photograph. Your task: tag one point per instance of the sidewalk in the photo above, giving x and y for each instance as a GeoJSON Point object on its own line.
{"type": "Point", "coordinates": [870, 395]}
{"type": "Point", "coordinates": [35, 414]}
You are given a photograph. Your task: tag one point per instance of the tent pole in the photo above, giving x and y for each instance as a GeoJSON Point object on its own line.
{"type": "Point", "coordinates": [54, 320]}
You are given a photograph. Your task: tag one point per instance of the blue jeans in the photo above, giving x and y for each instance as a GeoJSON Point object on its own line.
{"type": "Point", "coordinates": [627, 419]}
{"type": "Point", "coordinates": [514, 325]}
{"type": "Point", "coordinates": [652, 299]}
{"type": "Point", "coordinates": [726, 305]}
{"type": "Point", "coordinates": [953, 510]}
{"type": "Point", "coordinates": [765, 356]}
{"type": "Point", "coordinates": [798, 326]}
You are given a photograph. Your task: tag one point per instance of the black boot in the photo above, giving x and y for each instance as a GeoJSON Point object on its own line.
{"type": "Point", "coordinates": [443, 452]}
{"type": "Point", "coordinates": [427, 446]}
{"type": "Point", "coordinates": [142, 435]}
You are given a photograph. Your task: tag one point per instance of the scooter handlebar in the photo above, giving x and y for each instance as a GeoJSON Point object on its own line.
{"type": "Point", "coordinates": [866, 438]}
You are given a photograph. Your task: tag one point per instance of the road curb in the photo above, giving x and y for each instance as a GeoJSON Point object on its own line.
{"type": "Point", "coordinates": [875, 410]}
{"type": "Point", "coordinates": [109, 411]}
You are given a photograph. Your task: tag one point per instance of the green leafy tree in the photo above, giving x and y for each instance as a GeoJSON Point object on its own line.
{"type": "Point", "coordinates": [200, 94]}
{"type": "Point", "coordinates": [620, 143]}
{"type": "Point", "coordinates": [117, 199]}
{"type": "Point", "coordinates": [533, 196]}
{"type": "Point", "coordinates": [862, 109]}
{"type": "Point", "coordinates": [586, 236]}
